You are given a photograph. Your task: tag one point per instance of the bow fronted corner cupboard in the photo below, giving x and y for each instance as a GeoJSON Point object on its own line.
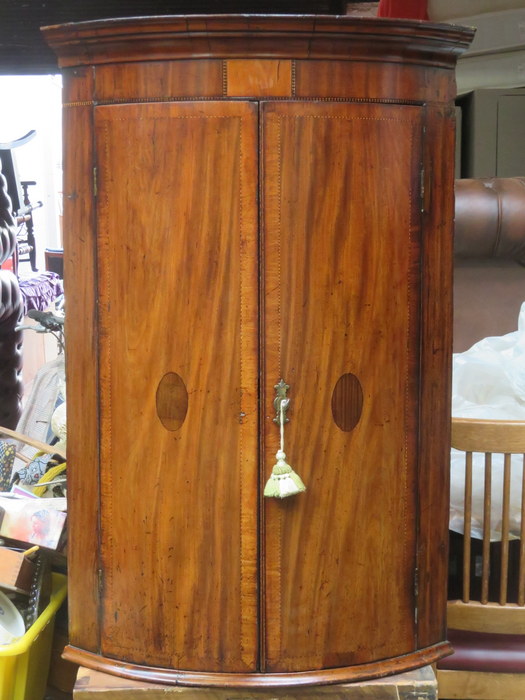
{"type": "Point", "coordinates": [250, 199]}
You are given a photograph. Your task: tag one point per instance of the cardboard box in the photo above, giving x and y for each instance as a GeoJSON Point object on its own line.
{"type": "Point", "coordinates": [16, 571]}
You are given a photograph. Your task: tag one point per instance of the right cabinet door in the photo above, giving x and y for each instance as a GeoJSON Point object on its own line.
{"type": "Point", "coordinates": [341, 242]}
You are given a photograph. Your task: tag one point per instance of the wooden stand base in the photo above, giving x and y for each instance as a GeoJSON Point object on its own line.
{"type": "Point", "coordinates": [478, 685]}
{"type": "Point", "coordinates": [420, 684]}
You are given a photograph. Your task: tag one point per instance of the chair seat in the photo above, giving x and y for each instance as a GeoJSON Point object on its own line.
{"type": "Point", "coordinates": [482, 651]}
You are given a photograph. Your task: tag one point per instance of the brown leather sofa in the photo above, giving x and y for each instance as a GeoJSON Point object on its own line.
{"type": "Point", "coordinates": [11, 313]}
{"type": "Point", "coordinates": [489, 247]}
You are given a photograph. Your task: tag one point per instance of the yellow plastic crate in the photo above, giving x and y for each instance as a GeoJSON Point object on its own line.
{"type": "Point", "coordinates": [24, 664]}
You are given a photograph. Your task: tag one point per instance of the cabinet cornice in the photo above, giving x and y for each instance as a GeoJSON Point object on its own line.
{"type": "Point", "coordinates": [231, 36]}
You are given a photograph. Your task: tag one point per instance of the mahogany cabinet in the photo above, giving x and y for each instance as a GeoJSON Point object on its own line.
{"type": "Point", "coordinates": [249, 199]}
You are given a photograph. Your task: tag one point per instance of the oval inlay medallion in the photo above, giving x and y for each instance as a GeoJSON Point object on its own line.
{"type": "Point", "coordinates": [172, 401]}
{"type": "Point", "coordinates": [347, 402]}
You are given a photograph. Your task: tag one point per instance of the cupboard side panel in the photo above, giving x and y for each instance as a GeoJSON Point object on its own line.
{"type": "Point", "coordinates": [341, 296]}
{"type": "Point", "coordinates": [436, 370]}
{"type": "Point", "coordinates": [80, 280]}
{"type": "Point", "coordinates": [178, 296]}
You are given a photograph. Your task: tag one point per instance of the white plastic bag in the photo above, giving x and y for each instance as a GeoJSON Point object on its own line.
{"type": "Point", "coordinates": [488, 381]}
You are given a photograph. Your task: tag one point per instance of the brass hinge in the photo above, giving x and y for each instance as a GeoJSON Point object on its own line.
{"type": "Point", "coordinates": [422, 189]}
{"type": "Point", "coordinates": [416, 593]}
{"type": "Point", "coordinates": [100, 577]}
{"type": "Point", "coordinates": [95, 182]}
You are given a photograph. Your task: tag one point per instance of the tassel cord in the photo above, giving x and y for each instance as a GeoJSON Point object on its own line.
{"type": "Point", "coordinates": [284, 405]}
{"type": "Point", "coordinates": [283, 480]}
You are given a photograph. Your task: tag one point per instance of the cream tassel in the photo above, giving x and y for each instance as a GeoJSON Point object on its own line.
{"type": "Point", "coordinates": [283, 481]}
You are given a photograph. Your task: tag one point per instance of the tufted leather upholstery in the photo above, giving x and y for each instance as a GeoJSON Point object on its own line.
{"type": "Point", "coordinates": [11, 311]}
{"type": "Point", "coordinates": [7, 224]}
{"type": "Point", "coordinates": [489, 268]}
{"type": "Point", "coordinates": [490, 218]}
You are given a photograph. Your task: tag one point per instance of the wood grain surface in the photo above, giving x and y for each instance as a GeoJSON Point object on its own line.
{"type": "Point", "coordinates": [347, 401]}
{"type": "Point", "coordinates": [436, 373]}
{"type": "Point", "coordinates": [179, 585]}
{"type": "Point", "coordinates": [82, 378]}
{"type": "Point", "coordinates": [457, 685]}
{"type": "Point", "coordinates": [378, 80]}
{"type": "Point", "coordinates": [341, 294]}
{"type": "Point", "coordinates": [172, 401]}
{"type": "Point", "coordinates": [159, 80]}
{"type": "Point", "coordinates": [257, 36]}
{"type": "Point", "coordinates": [486, 617]}
{"type": "Point", "coordinates": [258, 78]}
{"type": "Point", "coordinates": [476, 435]}
{"type": "Point", "coordinates": [301, 682]}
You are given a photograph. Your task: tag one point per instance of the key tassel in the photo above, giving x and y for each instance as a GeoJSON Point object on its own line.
{"type": "Point", "coordinates": [283, 480]}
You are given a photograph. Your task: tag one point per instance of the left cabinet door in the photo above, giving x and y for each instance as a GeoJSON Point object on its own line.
{"type": "Point", "coordinates": [177, 333]}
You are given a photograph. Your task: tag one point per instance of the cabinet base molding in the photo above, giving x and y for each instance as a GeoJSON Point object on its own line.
{"type": "Point", "coordinates": [331, 676]}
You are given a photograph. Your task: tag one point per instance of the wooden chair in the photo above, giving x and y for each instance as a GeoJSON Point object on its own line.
{"type": "Point", "coordinates": [18, 191]}
{"type": "Point", "coordinates": [488, 635]}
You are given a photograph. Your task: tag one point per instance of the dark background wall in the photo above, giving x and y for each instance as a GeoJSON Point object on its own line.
{"type": "Point", "coordinates": [22, 50]}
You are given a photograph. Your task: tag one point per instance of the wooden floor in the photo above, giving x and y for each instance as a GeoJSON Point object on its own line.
{"type": "Point", "coordinates": [420, 683]}
{"type": "Point", "coordinates": [54, 694]}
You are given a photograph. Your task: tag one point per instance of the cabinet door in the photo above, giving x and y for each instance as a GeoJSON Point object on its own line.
{"type": "Point", "coordinates": [341, 237]}
{"type": "Point", "coordinates": [177, 330]}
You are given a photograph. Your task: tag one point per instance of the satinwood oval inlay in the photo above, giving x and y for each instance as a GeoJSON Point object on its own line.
{"type": "Point", "coordinates": [172, 401]}
{"type": "Point", "coordinates": [347, 402]}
